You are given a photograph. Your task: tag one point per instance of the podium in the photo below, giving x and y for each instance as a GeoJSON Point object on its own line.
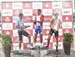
{"type": "Point", "coordinates": [36, 52]}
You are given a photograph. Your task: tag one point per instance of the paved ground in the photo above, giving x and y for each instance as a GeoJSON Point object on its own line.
{"type": "Point", "coordinates": [41, 53]}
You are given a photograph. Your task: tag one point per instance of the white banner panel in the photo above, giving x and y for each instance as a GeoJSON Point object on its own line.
{"type": "Point", "coordinates": [56, 5]}
{"type": "Point", "coordinates": [60, 44]}
{"type": "Point", "coordinates": [60, 32]}
{"type": "Point", "coordinates": [17, 5]}
{"type": "Point", "coordinates": [7, 26]}
{"type": "Point", "coordinates": [37, 5]}
{"type": "Point", "coordinates": [15, 19]}
{"type": "Point", "coordinates": [67, 11]}
{"type": "Point", "coordinates": [47, 12]}
{"type": "Point", "coordinates": [15, 32]}
{"type": "Point", "coordinates": [27, 12]}
{"type": "Point", "coordinates": [67, 25]}
{"type": "Point", "coordinates": [25, 39]}
{"type": "Point", "coordinates": [7, 12]}
{"type": "Point", "coordinates": [46, 25]}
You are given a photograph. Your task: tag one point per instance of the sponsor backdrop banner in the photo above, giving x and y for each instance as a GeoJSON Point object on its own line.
{"type": "Point", "coordinates": [10, 11]}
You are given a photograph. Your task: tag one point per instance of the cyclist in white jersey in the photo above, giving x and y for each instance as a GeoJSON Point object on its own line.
{"type": "Point", "coordinates": [21, 31]}
{"type": "Point", "coordinates": [54, 27]}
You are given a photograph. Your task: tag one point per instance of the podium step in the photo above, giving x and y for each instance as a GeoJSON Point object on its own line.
{"type": "Point", "coordinates": [41, 53]}
{"type": "Point", "coordinates": [21, 54]}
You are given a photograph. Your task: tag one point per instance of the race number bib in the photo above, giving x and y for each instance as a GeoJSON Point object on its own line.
{"type": "Point", "coordinates": [38, 18]}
